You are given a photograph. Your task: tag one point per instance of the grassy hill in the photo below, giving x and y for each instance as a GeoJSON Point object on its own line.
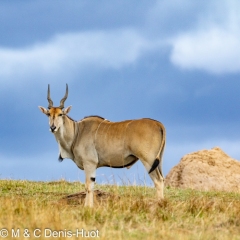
{"type": "Point", "coordinates": [131, 212]}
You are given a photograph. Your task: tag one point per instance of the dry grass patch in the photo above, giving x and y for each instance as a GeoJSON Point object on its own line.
{"type": "Point", "coordinates": [125, 212]}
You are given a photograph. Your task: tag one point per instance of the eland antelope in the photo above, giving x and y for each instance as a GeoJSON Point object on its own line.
{"type": "Point", "coordinates": [95, 142]}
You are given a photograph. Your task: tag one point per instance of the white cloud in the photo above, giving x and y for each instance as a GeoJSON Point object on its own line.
{"type": "Point", "coordinates": [75, 51]}
{"type": "Point", "coordinates": [214, 46]}
{"type": "Point", "coordinates": [215, 50]}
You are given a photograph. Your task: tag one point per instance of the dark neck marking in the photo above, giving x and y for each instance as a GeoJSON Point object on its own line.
{"type": "Point", "coordinates": [70, 118]}
{"type": "Point", "coordinates": [94, 116]}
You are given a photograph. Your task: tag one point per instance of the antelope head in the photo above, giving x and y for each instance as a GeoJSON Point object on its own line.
{"type": "Point", "coordinates": [56, 114]}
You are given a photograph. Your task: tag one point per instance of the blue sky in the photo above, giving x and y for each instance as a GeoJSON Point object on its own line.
{"type": "Point", "coordinates": [177, 61]}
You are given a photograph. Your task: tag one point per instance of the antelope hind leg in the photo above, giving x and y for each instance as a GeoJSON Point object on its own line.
{"type": "Point", "coordinates": [156, 176]}
{"type": "Point", "coordinates": [158, 180]}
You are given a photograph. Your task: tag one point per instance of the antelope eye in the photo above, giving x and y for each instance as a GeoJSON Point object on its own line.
{"type": "Point", "coordinates": [60, 114]}
{"type": "Point", "coordinates": [48, 114]}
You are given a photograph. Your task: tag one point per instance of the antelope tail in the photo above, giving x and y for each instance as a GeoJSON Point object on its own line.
{"type": "Point", "coordinates": [159, 155]}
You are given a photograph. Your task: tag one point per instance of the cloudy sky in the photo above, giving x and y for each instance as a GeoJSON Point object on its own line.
{"type": "Point", "coordinates": [176, 61]}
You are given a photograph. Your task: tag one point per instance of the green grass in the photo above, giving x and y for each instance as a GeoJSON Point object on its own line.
{"type": "Point", "coordinates": [131, 212]}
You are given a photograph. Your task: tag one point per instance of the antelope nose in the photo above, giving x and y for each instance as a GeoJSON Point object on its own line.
{"type": "Point", "coordinates": [52, 128]}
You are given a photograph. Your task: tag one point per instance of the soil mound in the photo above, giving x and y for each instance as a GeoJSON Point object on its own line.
{"type": "Point", "coordinates": [78, 198]}
{"type": "Point", "coordinates": [206, 170]}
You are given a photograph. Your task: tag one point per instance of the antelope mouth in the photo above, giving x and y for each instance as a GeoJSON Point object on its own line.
{"type": "Point", "coordinates": [53, 129]}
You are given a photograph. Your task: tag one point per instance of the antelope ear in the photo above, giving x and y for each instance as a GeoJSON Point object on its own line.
{"type": "Point", "coordinates": [67, 110]}
{"type": "Point", "coordinates": [43, 110]}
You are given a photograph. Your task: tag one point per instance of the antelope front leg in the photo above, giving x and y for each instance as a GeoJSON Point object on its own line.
{"type": "Point", "coordinates": [89, 185]}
